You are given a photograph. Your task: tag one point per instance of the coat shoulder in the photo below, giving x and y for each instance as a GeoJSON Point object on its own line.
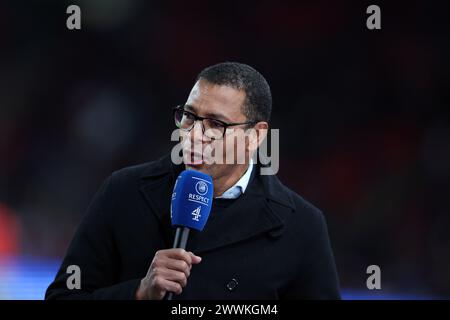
{"type": "Point", "coordinates": [143, 170]}
{"type": "Point", "coordinates": [132, 172]}
{"type": "Point", "coordinates": [304, 205]}
{"type": "Point", "coordinates": [304, 212]}
{"type": "Point", "coordinates": [291, 198]}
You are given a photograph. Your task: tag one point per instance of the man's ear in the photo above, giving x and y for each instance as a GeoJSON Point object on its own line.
{"type": "Point", "coordinates": [257, 134]}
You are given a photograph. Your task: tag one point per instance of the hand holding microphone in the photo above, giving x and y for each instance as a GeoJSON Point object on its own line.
{"type": "Point", "coordinates": [191, 204]}
{"type": "Point", "coordinates": [168, 272]}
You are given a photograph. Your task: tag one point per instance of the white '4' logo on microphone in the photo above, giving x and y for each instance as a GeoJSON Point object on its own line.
{"type": "Point", "coordinates": [196, 214]}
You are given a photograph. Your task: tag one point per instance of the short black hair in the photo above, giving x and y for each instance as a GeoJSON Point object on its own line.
{"type": "Point", "coordinates": [258, 98]}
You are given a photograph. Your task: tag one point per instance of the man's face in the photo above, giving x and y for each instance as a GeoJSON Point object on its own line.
{"type": "Point", "coordinates": [222, 103]}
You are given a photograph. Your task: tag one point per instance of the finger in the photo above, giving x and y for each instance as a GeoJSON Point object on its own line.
{"type": "Point", "coordinates": [170, 286]}
{"type": "Point", "coordinates": [178, 265]}
{"type": "Point", "coordinates": [172, 275]}
{"type": "Point", "coordinates": [179, 254]}
{"type": "Point", "coordinates": [195, 259]}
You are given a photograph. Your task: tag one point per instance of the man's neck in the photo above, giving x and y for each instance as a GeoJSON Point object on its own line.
{"type": "Point", "coordinates": [223, 183]}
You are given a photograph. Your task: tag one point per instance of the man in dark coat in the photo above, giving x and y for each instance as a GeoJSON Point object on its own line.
{"type": "Point", "coordinates": [261, 241]}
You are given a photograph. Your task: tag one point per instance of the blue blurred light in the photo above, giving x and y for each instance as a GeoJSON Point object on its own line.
{"type": "Point", "coordinates": [27, 278]}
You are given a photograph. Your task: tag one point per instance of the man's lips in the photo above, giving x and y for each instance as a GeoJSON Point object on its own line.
{"type": "Point", "coordinates": [193, 158]}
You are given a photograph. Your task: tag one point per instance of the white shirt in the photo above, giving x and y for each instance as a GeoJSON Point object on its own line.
{"type": "Point", "coordinates": [239, 187]}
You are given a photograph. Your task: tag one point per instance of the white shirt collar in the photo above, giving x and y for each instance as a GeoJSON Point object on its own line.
{"type": "Point", "coordinates": [240, 186]}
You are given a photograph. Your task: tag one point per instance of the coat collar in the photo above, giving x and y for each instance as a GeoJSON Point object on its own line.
{"type": "Point", "coordinates": [265, 211]}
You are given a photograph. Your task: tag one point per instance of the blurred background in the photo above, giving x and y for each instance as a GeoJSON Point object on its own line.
{"type": "Point", "coordinates": [363, 119]}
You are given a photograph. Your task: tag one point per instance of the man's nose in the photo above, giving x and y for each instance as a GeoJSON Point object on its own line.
{"type": "Point", "coordinates": [196, 133]}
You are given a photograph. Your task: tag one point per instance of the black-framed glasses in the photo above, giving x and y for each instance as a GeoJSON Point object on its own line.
{"type": "Point", "coordinates": [212, 128]}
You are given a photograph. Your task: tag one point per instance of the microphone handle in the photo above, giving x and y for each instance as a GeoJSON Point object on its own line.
{"type": "Point", "coordinates": [180, 241]}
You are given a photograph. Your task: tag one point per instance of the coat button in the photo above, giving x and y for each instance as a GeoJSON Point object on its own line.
{"type": "Point", "coordinates": [232, 284]}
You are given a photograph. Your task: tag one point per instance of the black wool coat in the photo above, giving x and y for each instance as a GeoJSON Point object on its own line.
{"type": "Point", "coordinates": [269, 244]}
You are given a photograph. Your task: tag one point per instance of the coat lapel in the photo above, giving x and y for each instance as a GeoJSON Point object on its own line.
{"type": "Point", "coordinates": [156, 187]}
{"type": "Point", "coordinates": [250, 216]}
{"type": "Point", "coordinates": [236, 224]}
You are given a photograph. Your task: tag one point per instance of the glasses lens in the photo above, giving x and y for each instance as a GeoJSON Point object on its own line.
{"type": "Point", "coordinates": [183, 119]}
{"type": "Point", "coordinates": [178, 115]}
{"type": "Point", "coordinates": [213, 129]}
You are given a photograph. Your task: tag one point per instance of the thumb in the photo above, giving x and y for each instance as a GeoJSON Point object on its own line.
{"type": "Point", "coordinates": [195, 259]}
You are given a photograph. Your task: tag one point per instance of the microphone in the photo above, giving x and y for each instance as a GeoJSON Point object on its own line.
{"type": "Point", "coordinates": [190, 207]}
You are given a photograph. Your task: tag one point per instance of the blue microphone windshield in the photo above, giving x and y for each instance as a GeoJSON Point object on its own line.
{"type": "Point", "coordinates": [191, 200]}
